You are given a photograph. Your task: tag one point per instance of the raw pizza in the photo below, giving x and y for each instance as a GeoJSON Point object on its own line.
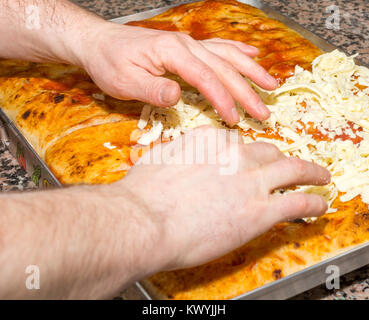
{"type": "Point", "coordinates": [319, 113]}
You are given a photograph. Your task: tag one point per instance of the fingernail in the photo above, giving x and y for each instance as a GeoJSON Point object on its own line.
{"type": "Point", "coordinates": [166, 95]}
{"type": "Point", "coordinates": [263, 111]}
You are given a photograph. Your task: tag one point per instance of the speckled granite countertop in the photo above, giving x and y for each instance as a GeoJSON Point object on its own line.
{"type": "Point", "coordinates": [343, 23]}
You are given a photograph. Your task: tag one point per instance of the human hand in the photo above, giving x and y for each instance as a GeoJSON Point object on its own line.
{"type": "Point", "coordinates": [202, 215]}
{"type": "Point", "coordinates": [129, 62]}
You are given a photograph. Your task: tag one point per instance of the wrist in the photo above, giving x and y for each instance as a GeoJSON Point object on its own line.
{"type": "Point", "coordinates": [137, 237]}
{"type": "Point", "coordinates": [72, 41]}
{"type": "Point", "coordinates": [80, 40]}
{"type": "Point", "coordinates": [91, 44]}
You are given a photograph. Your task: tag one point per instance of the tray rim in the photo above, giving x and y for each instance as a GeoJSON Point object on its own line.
{"type": "Point", "coordinates": [266, 291]}
{"type": "Point", "coordinates": [7, 124]}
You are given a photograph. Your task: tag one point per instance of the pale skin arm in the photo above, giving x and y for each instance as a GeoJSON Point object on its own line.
{"type": "Point", "coordinates": [86, 241]}
{"type": "Point", "coordinates": [90, 242]}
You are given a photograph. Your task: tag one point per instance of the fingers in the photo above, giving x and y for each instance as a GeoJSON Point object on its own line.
{"type": "Point", "coordinates": [251, 51]}
{"type": "Point", "coordinates": [294, 171]}
{"type": "Point", "coordinates": [145, 87]}
{"type": "Point", "coordinates": [234, 83]}
{"type": "Point", "coordinates": [263, 153]}
{"type": "Point", "coordinates": [296, 205]}
{"type": "Point", "coordinates": [214, 68]}
{"type": "Point", "coordinates": [243, 63]}
{"type": "Point", "coordinates": [200, 75]}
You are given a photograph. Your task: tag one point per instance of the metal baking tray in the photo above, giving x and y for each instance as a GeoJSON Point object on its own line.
{"type": "Point", "coordinates": [26, 156]}
{"type": "Point", "coordinates": [283, 288]}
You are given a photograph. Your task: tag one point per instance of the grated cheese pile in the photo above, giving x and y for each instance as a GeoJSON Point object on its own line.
{"type": "Point", "coordinates": [320, 116]}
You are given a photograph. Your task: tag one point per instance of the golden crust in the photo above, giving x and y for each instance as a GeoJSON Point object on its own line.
{"type": "Point", "coordinates": [70, 133]}
{"type": "Point", "coordinates": [97, 154]}
{"type": "Point", "coordinates": [285, 249]}
{"type": "Point", "coordinates": [52, 106]}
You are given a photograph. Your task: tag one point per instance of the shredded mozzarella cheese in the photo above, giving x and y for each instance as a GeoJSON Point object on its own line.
{"type": "Point", "coordinates": [320, 116]}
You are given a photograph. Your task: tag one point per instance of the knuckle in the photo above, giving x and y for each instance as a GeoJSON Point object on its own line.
{"type": "Point", "coordinates": [248, 148]}
{"type": "Point", "coordinates": [270, 150]}
{"type": "Point", "coordinates": [269, 147]}
{"type": "Point", "coordinates": [273, 150]}
{"type": "Point", "coordinates": [152, 91]}
{"type": "Point", "coordinates": [301, 203]}
{"type": "Point", "coordinates": [184, 36]}
{"type": "Point", "coordinates": [167, 41]}
{"type": "Point", "coordinates": [298, 166]}
{"type": "Point", "coordinates": [118, 86]}
{"type": "Point", "coordinates": [235, 53]}
{"type": "Point", "coordinates": [206, 74]}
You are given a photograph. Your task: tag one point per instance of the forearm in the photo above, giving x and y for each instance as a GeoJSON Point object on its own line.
{"type": "Point", "coordinates": [86, 242]}
{"type": "Point", "coordinates": [44, 30]}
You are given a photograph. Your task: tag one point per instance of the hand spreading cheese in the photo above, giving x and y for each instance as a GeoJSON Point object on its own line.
{"type": "Point", "coordinates": [320, 116]}
{"type": "Point", "coordinates": [91, 241]}
{"type": "Point", "coordinates": [129, 62]}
